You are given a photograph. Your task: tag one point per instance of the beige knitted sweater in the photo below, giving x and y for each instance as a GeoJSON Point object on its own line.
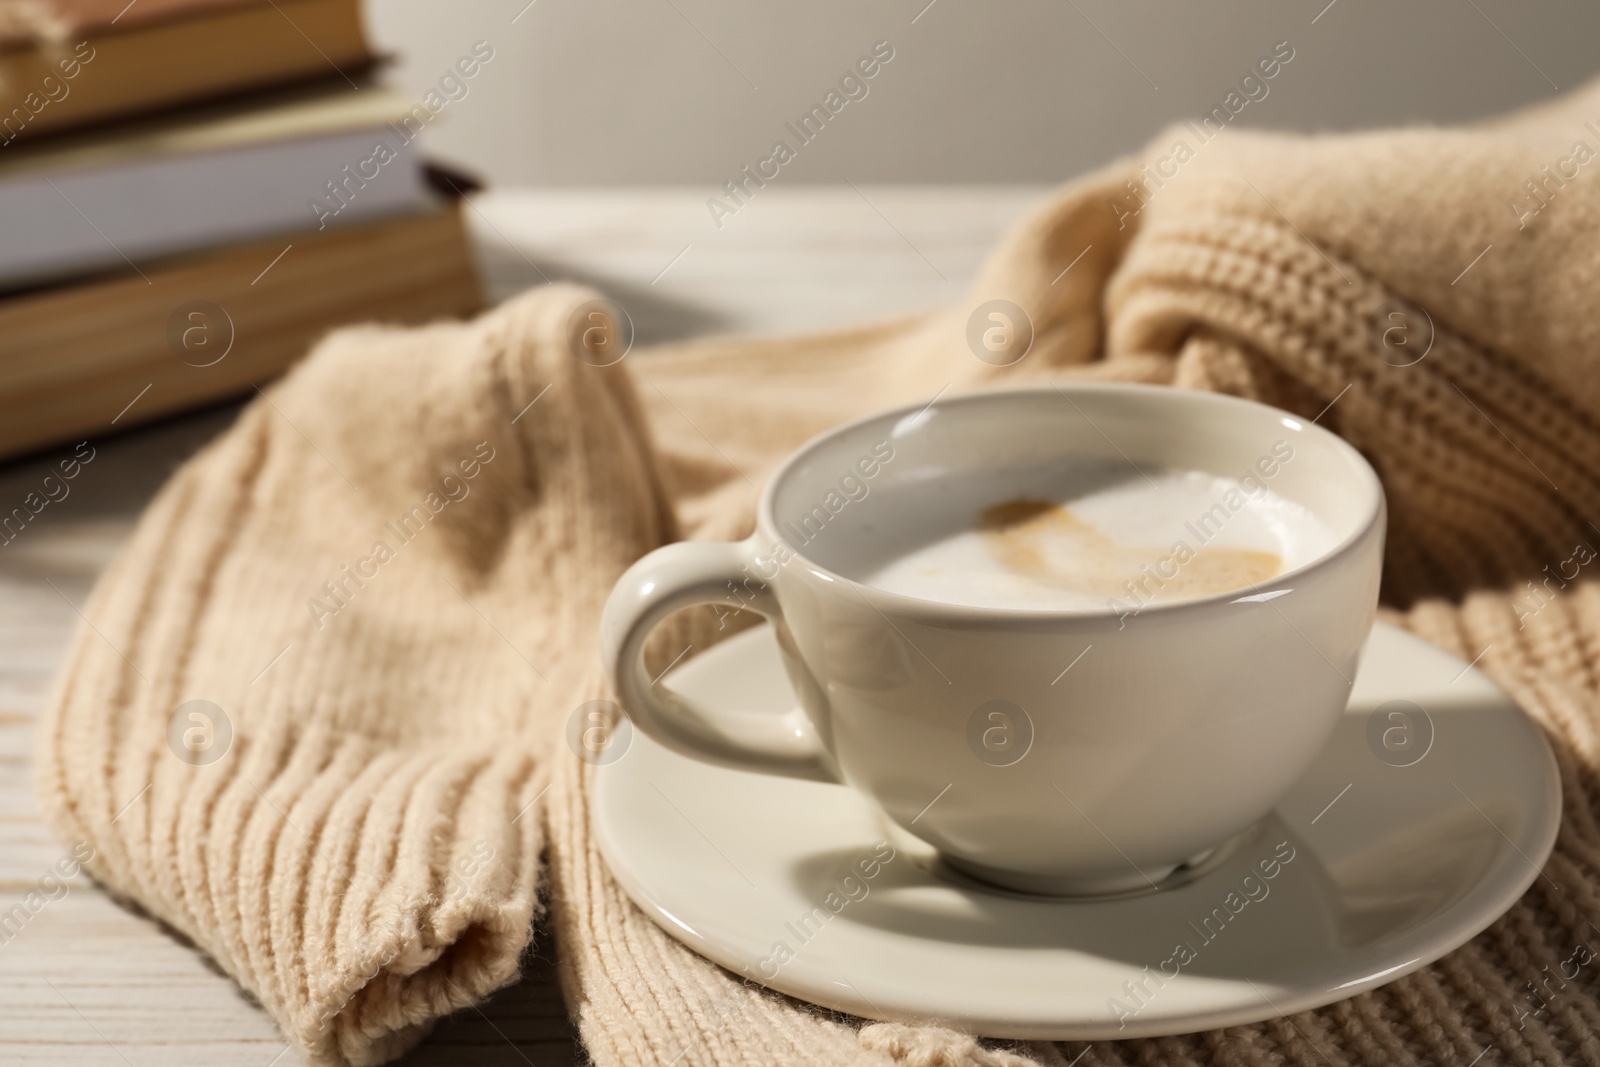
{"type": "Point", "coordinates": [386, 580]}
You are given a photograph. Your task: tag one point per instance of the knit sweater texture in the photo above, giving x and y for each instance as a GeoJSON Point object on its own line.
{"type": "Point", "coordinates": [385, 579]}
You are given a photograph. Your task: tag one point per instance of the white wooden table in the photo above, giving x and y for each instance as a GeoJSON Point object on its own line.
{"type": "Point", "coordinates": [87, 981]}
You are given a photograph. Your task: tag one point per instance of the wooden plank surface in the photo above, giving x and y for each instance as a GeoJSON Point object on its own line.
{"type": "Point", "coordinates": [87, 981]}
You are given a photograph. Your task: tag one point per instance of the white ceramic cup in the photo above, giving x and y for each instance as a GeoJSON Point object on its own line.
{"type": "Point", "coordinates": [1176, 727]}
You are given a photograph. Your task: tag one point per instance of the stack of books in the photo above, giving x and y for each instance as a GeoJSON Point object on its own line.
{"type": "Point", "coordinates": [191, 192]}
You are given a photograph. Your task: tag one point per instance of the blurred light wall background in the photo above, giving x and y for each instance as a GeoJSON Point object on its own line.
{"type": "Point", "coordinates": [642, 92]}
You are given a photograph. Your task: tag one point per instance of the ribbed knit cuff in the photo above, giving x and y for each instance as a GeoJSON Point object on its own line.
{"type": "Point", "coordinates": [310, 714]}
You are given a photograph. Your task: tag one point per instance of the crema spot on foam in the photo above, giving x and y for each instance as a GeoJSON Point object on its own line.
{"type": "Point", "coordinates": [1049, 543]}
{"type": "Point", "coordinates": [1141, 541]}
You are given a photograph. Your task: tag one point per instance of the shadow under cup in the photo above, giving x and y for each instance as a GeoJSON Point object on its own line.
{"type": "Point", "coordinates": [1074, 751]}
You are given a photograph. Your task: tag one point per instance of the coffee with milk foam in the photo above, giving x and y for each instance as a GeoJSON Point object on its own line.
{"type": "Point", "coordinates": [1155, 537]}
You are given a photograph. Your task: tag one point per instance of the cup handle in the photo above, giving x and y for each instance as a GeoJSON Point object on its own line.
{"type": "Point", "coordinates": [679, 576]}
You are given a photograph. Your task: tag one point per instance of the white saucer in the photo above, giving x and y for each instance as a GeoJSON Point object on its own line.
{"type": "Point", "coordinates": [1393, 866]}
